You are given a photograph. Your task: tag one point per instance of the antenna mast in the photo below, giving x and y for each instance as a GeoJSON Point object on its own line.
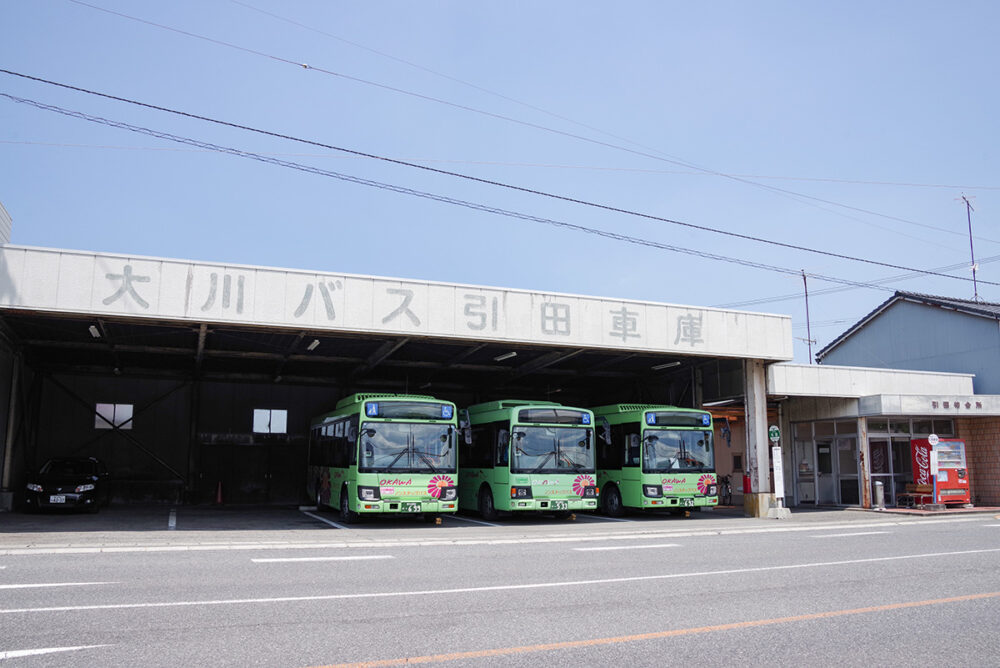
{"type": "Point", "coordinates": [972, 252]}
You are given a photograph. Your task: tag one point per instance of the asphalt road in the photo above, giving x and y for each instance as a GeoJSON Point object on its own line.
{"type": "Point", "coordinates": [164, 587]}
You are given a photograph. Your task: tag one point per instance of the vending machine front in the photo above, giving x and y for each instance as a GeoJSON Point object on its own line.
{"type": "Point", "coordinates": [942, 464]}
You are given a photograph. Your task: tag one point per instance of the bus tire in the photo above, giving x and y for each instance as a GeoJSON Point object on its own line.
{"type": "Point", "coordinates": [319, 497]}
{"type": "Point", "coordinates": [347, 516]}
{"type": "Point", "coordinates": [486, 508]}
{"type": "Point", "coordinates": [611, 502]}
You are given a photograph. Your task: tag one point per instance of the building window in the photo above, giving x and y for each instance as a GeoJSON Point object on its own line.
{"type": "Point", "coordinates": [270, 421]}
{"type": "Point", "coordinates": [737, 462]}
{"type": "Point", "coordinates": [113, 416]}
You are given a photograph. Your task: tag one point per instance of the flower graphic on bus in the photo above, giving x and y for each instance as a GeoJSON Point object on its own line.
{"type": "Point", "coordinates": [437, 483]}
{"type": "Point", "coordinates": [704, 482]}
{"type": "Point", "coordinates": [582, 482]}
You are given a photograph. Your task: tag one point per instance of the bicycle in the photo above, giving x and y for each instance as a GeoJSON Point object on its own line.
{"type": "Point", "coordinates": [725, 490]}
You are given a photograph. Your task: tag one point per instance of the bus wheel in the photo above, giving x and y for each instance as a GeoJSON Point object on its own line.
{"type": "Point", "coordinates": [611, 502]}
{"type": "Point", "coordinates": [319, 498]}
{"type": "Point", "coordinates": [486, 508]}
{"type": "Point", "coordinates": [347, 516]}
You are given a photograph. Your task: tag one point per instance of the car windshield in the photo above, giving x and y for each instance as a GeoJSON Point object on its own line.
{"type": "Point", "coordinates": [405, 446]}
{"type": "Point", "coordinates": [69, 467]}
{"type": "Point", "coordinates": [677, 450]}
{"type": "Point", "coordinates": [552, 449]}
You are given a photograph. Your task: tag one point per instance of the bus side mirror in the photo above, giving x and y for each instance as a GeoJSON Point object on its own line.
{"type": "Point", "coordinates": [605, 430]}
{"type": "Point", "coordinates": [465, 426]}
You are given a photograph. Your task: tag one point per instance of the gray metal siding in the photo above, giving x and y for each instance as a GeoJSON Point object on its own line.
{"type": "Point", "coordinates": [925, 338]}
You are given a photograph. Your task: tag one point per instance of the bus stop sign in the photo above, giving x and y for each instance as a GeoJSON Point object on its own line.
{"type": "Point", "coordinates": [773, 433]}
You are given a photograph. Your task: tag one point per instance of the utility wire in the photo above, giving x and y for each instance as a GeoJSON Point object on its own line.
{"type": "Point", "coordinates": [531, 191]}
{"type": "Point", "coordinates": [660, 156]}
{"type": "Point", "coordinates": [435, 197]}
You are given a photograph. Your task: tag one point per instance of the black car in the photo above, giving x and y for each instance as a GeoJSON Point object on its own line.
{"type": "Point", "coordinates": [69, 482]}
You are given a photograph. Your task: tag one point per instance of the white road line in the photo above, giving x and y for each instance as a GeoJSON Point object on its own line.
{"type": "Point", "coordinates": [14, 654]}
{"type": "Point", "coordinates": [296, 559]}
{"type": "Point", "coordinates": [172, 521]}
{"type": "Point", "coordinates": [985, 525]}
{"type": "Point", "coordinates": [606, 518]}
{"type": "Point", "coordinates": [467, 519]}
{"type": "Point", "coordinates": [54, 584]}
{"type": "Point", "coordinates": [639, 533]}
{"type": "Point", "coordinates": [323, 519]}
{"type": "Point", "coordinates": [477, 590]}
{"type": "Point", "coordinates": [624, 547]}
{"type": "Point", "coordinates": [858, 533]}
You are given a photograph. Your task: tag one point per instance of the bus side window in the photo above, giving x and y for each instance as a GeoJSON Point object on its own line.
{"type": "Point", "coordinates": [351, 435]}
{"type": "Point", "coordinates": [633, 449]}
{"type": "Point", "coordinates": [502, 447]}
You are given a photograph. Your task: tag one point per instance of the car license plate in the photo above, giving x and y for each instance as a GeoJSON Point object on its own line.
{"type": "Point", "coordinates": [559, 505]}
{"type": "Point", "coordinates": [409, 507]}
{"type": "Point", "coordinates": [57, 499]}
{"type": "Point", "coordinates": [687, 502]}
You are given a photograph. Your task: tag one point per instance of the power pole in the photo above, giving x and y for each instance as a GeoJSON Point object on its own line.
{"type": "Point", "coordinates": [809, 336]}
{"type": "Point", "coordinates": [972, 252]}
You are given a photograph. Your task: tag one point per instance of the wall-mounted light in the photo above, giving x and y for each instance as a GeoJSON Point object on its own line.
{"type": "Point", "coordinates": [312, 346]}
{"type": "Point", "coordinates": [505, 356]}
{"type": "Point", "coordinates": [94, 332]}
{"type": "Point", "coordinates": [667, 365]}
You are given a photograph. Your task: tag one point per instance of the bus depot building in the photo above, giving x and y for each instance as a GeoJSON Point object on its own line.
{"type": "Point", "coordinates": [195, 382]}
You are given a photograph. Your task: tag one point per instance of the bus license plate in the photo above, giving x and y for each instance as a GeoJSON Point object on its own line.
{"type": "Point", "coordinates": [409, 507]}
{"type": "Point", "coordinates": [687, 502]}
{"type": "Point", "coordinates": [559, 505]}
{"type": "Point", "coordinates": [57, 499]}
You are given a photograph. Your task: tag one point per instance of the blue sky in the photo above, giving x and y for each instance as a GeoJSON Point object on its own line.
{"type": "Point", "coordinates": [849, 127]}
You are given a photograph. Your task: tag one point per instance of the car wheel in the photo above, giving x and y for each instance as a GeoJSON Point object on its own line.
{"type": "Point", "coordinates": [486, 508]}
{"type": "Point", "coordinates": [611, 502]}
{"type": "Point", "coordinates": [347, 516]}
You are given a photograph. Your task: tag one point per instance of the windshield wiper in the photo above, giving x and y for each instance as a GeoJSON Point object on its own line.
{"type": "Point", "coordinates": [427, 460]}
{"type": "Point", "coordinates": [548, 456]}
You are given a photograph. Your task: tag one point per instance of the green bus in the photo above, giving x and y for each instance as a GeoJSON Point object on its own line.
{"type": "Point", "coordinates": [383, 454]}
{"type": "Point", "coordinates": [527, 456]}
{"type": "Point", "coordinates": [653, 457]}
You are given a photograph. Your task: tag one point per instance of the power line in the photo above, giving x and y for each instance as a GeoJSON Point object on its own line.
{"type": "Point", "coordinates": [539, 165]}
{"type": "Point", "coordinates": [499, 184]}
{"type": "Point", "coordinates": [812, 200]}
{"type": "Point", "coordinates": [433, 196]}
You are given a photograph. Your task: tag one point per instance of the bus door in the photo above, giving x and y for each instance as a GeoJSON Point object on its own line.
{"type": "Point", "coordinates": [501, 469]}
{"type": "Point", "coordinates": [631, 487]}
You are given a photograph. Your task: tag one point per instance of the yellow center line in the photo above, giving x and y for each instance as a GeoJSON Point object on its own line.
{"type": "Point", "coordinates": [572, 644]}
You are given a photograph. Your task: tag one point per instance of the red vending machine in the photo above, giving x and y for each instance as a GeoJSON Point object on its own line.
{"type": "Point", "coordinates": [951, 484]}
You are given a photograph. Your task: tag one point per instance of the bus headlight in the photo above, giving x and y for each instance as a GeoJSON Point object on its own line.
{"type": "Point", "coordinates": [448, 494]}
{"type": "Point", "coordinates": [520, 492]}
{"type": "Point", "coordinates": [654, 491]}
{"type": "Point", "coordinates": [34, 487]}
{"type": "Point", "coordinates": [590, 492]}
{"type": "Point", "coordinates": [368, 493]}
{"type": "Point", "coordinates": [713, 490]}
{"type": "Point", "coordinates": [84, 488]}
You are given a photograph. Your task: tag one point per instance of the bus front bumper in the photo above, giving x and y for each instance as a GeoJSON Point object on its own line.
{"type": "Point", "coordinates": [680, 502]}
{"type": "Point", "coordinates": [414, 507]}
{"type": "Point", "coordinates": [552, 505]}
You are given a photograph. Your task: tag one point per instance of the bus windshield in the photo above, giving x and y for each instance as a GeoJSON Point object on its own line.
{"type": "Point", "coordinates": [684, 451]}
{"type": "Point", "coordinates": [404, 446]}
{"type": "Point", "coordinates": [552, 450]}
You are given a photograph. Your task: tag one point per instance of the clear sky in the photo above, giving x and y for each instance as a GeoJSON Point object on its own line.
{"type": "Point", "coordinates": [851, 127]}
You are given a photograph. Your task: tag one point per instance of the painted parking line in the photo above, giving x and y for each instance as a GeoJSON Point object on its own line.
{"type": "Point", "coordinates": [624, 547]}
{"type": "Point", "coordinates": [302, 559]}
{"type": "Point", "coordinates": [856, 533]}
{"type": "Point", "coordinates": [604, 518]}
{"type": "Point", "coordinates": [469, 519]}
{"type": "Point", "coordinates": [530, 586]}
{"type": "Point", "coordinates": [41, 585]}
{"type": "Point", "coordinates": [323, 519]}
{"type": "Point", "coordinates": [17, 653]}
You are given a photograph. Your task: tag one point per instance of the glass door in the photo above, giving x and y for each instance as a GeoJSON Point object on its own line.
{"type": "Point", "coordinates": [881, 470]}
{"type": "Point", "coordinates": [826, 479]}
{"type": "Point", "coordinates": [805, 472]}
{"type": "Point", "coordinates": [847, 463]}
